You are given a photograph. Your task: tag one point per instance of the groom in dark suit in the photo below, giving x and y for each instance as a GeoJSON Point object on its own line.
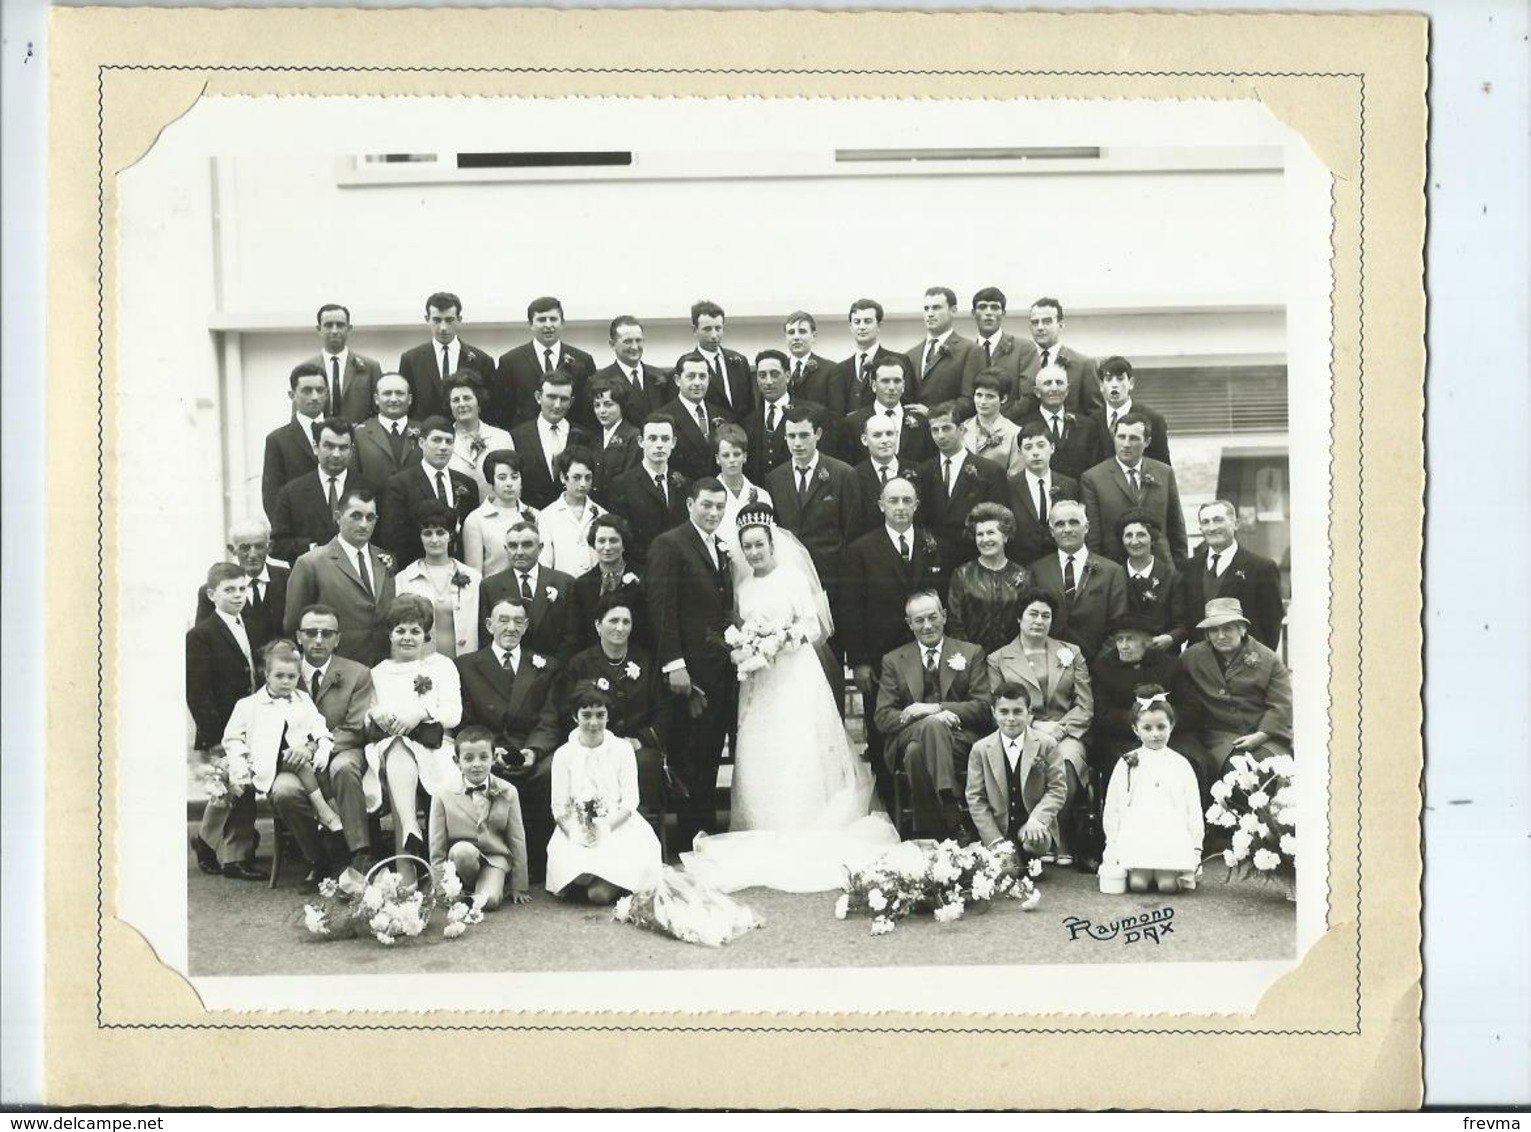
{"type": "Point", "coordinates": [691, 593]}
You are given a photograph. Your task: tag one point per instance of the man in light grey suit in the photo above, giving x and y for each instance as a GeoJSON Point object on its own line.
{"type": "Point", "coordinates": [349, 575]}
{"type": "Point", "coordinates": [389, 442]}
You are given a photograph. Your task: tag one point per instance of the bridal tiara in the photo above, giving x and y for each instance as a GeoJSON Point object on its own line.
{"type": "Point", "coordinates": [755, 515]}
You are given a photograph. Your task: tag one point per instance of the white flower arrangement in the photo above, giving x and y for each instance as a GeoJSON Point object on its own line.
{"type": "Point", "coordinates": [1255, 799]}
{"type": "Point", "coordinates": [944, 879]}
{"type": "Point", "coordinates": [758, 641]}
{"type": "Point", "coordinates": [383, 907]}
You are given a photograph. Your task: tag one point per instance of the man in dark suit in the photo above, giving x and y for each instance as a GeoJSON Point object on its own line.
{"type": "Point", "coordinates": [1091, 590]}
{"type": "Point", "coordinates": [352, 577]}
{"type": "Point", "coordinates": [1236, 572]}
{"type": "Point", "coordinates": [730, 385]}
{"type": "Point", "coordinates": [292, 449]}
{"type": "Point", "coordinates": [1015, 358]}
{"type": "Point", "coordinates": [932, 705]}
{"type": "Point", "coordinates": [342, 691]}
{"type": "Point", "coordinates": [815, 497]}
{"type": "Point", "coordinates": [541, 439]}
{"type": "Point", "coordinates": [879, 440]}
{"type": "Point", "coordinates": [1078, 444]}
{"type": "Point", "coordinates": [944, 363]}
{"type": "Point", "coordinates": [1132, 482]}
{"type": "Point", "coordinates": [691, 596]}
{"type": "Point", "coordinates": [617, 444]}
{"type": "Point", "coordinates": [651, 496]}
{"type": "Point", "coordinates": [882, 568]}
{"type": "Point", "coordinates": [695, 418]}
{"type": "Point", "coordinates": [350, 378]}
{"type": "Point", "coordinates": [648, 387]}
{"type": "Point", "coordinates": [305, 508]}
{"type": "Point", "coordinates": [1116, 383]}
{"type": "Point", "coordinates": [389, 442]}
{"type": "Point", "coordinates": [1047, 331]}
{"type": "Point", "coordinates": [426, 366]}
{"type": "Point", "coordinates": [808, 375]}
{"type": "Point", "coordinates": [546, 593]}
{"type": "Point", "coordinates": [952, 483]}
{"type": "Point", "coordinates": [765, 426]}
{"type": "Point", "coordinates": [851, 387]}
{"type": "Point", "coordinates": [513, 394]}
{"type": "Point", "coordinates": [507, 687]}
{"type": "Point", "coordinates": [1033, 494]}
{"type": "Point", "coordinates": [265, 603]}
{"type": "Point", "coordinates": [889, 385]}
{"type": "Point", "coordinates": [221, 669]}
{"type": "Point", "coordinates": [427, 478]}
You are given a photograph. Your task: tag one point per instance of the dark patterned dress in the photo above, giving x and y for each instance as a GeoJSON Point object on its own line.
{"type": "Point", "coordinates": [982, 603]}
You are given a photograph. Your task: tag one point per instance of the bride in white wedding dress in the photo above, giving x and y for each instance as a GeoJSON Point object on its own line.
{"type": "Point", "coordinates": [802, 802]}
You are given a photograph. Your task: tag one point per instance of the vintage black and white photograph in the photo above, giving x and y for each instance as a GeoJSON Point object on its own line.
{"type": "Point", "coordinates": [724, 554]}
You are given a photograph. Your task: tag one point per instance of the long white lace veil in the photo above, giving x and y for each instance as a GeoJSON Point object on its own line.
{"type": "Point", "coordinates": [792, 556]}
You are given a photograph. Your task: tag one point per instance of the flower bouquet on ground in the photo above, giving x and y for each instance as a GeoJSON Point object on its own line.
{"type": "Point", "coordinates": [945, 879]}
{"type": "Point", "coordinates": [1255, 801]}
{"type": "Point", "coordinates": [377, 904]}
{"type": "Point", "coordinates": [683, 907]}
{"type": "Point", "coordinates": [227, 776]}
{"type": "Point", "coordinates": [758, 641]}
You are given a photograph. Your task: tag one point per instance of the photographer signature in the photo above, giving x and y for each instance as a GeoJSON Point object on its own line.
{"type": "Point", "coordinates": [1154, 924]}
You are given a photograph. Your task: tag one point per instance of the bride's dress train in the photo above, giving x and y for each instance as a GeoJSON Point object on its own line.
{"type": "Point", "coordinates": [802, 802]}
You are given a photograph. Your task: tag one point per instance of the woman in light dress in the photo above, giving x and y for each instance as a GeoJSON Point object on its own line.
{"type": "Point", "coordinates": [802, 801]}
{"type": "Point", "coordinates": [483, 532]}
{"type": "Point", "coordinates": [472, 439]}
{"type": "Point", "coordinates": [417, 702]}
{"type": "Point", "coordinates": [449, 585]}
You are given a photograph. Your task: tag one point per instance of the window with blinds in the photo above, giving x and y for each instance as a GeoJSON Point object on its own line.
{"type": "Point", "coordinates": [1216, 399]}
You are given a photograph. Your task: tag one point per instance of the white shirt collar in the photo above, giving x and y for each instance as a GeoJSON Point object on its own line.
{"type": "Point", "coordinates": [388, 423]}
{"type": "Point", "coordinates": [344, 356]}
{"type": "Point", "coordinates": [812, 467]}
{"type": "Point", "coordinates": [308, 423]}
{"type": "Point", "coordinates": [1133, 572]}
{"type": "Point", "coordinates": [500, 654]}
{"type": "Point", "coordinates": [531, 575]}
{"type": "Point", "coordinates": [1138, 467]}
{"type": "Point", "coordinates": [1225, 555]}
{"type": "Point", "coordinates": [958, 458]}
{"type": "Point", "coordinates": [1033, 479]}
{"type": "Point", "coordinates": [324, 481]}
{"type": "Point", "coordinates": [309, 670]}
{"type": "Point", "coordinates": [430, 472]}
{"type": "Point", "coordinates": [545, 427]}
{"type": "Point", "coordinates": [1119, 413]}
{"type": "Point", "coordinates": [556, 347]}
{"type": "Point", "coordinates": [897, 411]}
{"type": "Point", "coordinates": [992, 339]}
{"type": "Point", "coordinates": [710, 541]}
{"type": "Point", "coordinates": [1079, 556]}
{"type": "Point", "coordinates": [235, 624]}
{"type": "Point", "coordinates": [939, 340]}
{"type": "Point", "coordinates": [781, 402]}
{"type": "Point", "coordinates": [894, 536]}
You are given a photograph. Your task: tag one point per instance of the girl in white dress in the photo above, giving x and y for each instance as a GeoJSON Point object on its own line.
{"type": "Point", "coordinates": [1152, 816]}
{"type": "Point", "coordinates": [601, 849]}
{"type": "Point", "coordinates": [801, 800]}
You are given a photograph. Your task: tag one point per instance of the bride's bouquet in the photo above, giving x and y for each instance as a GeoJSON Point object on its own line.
{"type": "Point", "coordinates": [758, 641]}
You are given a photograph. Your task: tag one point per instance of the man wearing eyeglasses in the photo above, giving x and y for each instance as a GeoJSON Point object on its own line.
{"type": "Point", "coordinates": [342, 690]}
{"type": "Point", "coordinates": [249, 545]}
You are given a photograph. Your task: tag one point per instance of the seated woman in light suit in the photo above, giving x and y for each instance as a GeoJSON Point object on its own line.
{"type": "Point", "coordinates": [1058, 679]}
{"type": "Point", "coordinates": [450, 586]}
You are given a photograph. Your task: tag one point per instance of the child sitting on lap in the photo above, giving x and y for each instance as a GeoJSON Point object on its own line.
{"type": "Point", "coordinates": [479, 830]}
{"type": "Point", "coordinates": [1152, 816]}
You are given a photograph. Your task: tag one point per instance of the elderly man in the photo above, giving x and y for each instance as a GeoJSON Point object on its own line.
{"type": "Point", "coordinates": [350, 377]}
{"type": "Point", "coordinates": [1235, 694]}
{"type": "Point", "coordinates": [546, 593]}
{"type": "Point", "coordinates": [1091, 590]}
{"type": "Point", "coordinates": [932, 703]}
{"type": "Point", "coordinates": [342, 691]}
{"type": "Point", "coordinates": [265, 603]}
{"type": "Point", "coordinates": [1078, 444]}
{"type": "Point", "coordinates": [1132, 482]}
{"type": "Point", "coordinates": [349, 575]}
{"type": "Point", "coordinates": [1222, 568]}
{"type": "Point", "coordinates": [389, 442]}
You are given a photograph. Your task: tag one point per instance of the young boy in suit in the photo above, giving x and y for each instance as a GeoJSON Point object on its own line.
{"type": "Point", "coordinates": [480, 830]}
{"type": "Point", "coordinates": [1015, 780]}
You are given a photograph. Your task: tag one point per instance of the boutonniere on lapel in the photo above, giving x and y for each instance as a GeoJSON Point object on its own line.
{"type": "Point", "coordinates": [412, 435]}
{"type": "Point", "coordinates": [1249, 660]}
{"type": "Point", "coordinates": [957, 662]}
{"type": "Point", "coordinates": [477, 446]}
{"type": "Point", "coordinates": [386, 560]}
{"type": "Point", "coordinates": [1004, 347]}
{"type": "Point", "coordinates": [822, 476]}
{"type": "Point", "coordinates": [1066, 657]}
{"type": "Point", "coordinates": [539, 661]}
{"type": "Point", "coordinates": [1089, 568]}
{"type": "Point", "coordinates": [629, 579]}
{"type": "Point", "coordinates": [986, 439]}
{"type": "Point", "coordinates": [722, 551]}
{"type": "Point", "coordinates": [928, 545]}
{"type": "Point", "coordinates": [911, 422]}
{"type": "Point", "coordinates": [423, 685]}
{"type": "Point", "coordinates": [615, 442]}
{"type": "Point", "coordinates": [1055, 492]}
{"type": "Point", "coordinates": [460, 580]}
{"type": "Point", "coordinates": [712, 424]}
{"type": "Point", "coordinates": [470, 355]}
{"type": "Point", "coordinates": [1147, 586]}
{"type": "Point", "coordinates": [552, 594]}
{"type": "Point", "coordinates": [677, 480]}
{"type": "Point", "coordinates": [969, 470]}
{"type": "Point", "coordinates": [632, 670]}
{"type": "Point", "coordinates": [603, 684]}
{"type": "Point", "coordinates": [1239, 576]}
{"type": "Point", "coordinates": [1147, 479]}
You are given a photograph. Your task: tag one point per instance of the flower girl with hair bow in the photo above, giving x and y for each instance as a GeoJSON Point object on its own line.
{"type": "Point", "coordinates": [1152, 816]}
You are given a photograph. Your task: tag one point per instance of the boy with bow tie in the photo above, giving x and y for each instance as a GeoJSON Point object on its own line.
{"type": "Point", "coordinates": [480, 829]}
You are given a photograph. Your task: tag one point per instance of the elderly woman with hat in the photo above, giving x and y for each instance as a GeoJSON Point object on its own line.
{"type": "Point", "coordinates": [1234, 694]}
{"type": "Point", "coordinates": [1115, 676]}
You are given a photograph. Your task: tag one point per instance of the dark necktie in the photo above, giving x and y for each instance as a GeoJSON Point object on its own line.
{"type": "Point", "coordinates": [802, 484]}
{"type": "Point", "coordinates": [441, 488]}
{"type": "Point", "coordinates": [715, 373]}
{"type": "Point", "coordinates": [547, 360]}
{"type": "Point", "coordinates": [903, 547]}
{"type": "Point", "coordinates": [255, 595]}
{"type": "Point", "coordinates": [446, 364]}
{"type": "Point", "coordinates": [313, 685]}
{"type": "Point", "coordinates": [1111, 428]}
{"type": "Point", "coordinates": [946, 475]}
{"type": "Point", "coordinates": [609, 581]}
{"type": "Point", "coordinates": [314, 432]}
{"type": "Point", "coordinates": [508, 663]}
{"type": "Point", "coordinates": [1212, 579]}
{"type": "Point", "coordinates": [1042, 502]}
{"type": "Point", "coordinates": [930, 357]}
{"type": "Point", "coordinates": [659, 483]}
{"type": "Point", "coordinates": [861, 370]}
{"type": "Point", "coordinates": [771, 420]}
{"type": "Point", "coordinates": [334, 496]}
{"type": "Point", "coordinates": [526, 588]}
{"type": "Point", "coordinates": [882, 474]}
{"type": "Point", "coordinates": [797, 374]}
{"type": "Point", "coordinates": [932, 691]}
{"type": "Point", "coordinates": [988, 352]}
{"type": "Point", "coordinates": [1047, 353]}
{"type": "Point", "coordinates": [334, 387]}
{"type": "Point", "coordinates": [1057, 430]}
{"type": "Point", "coordinates": [1132, 479]}
{"type": "Point", "coordinates": [361, 570]}
{"type": "Point", "coordinates": [1069, 588]}
{"type": "Point", "coordinates": [701, 418]}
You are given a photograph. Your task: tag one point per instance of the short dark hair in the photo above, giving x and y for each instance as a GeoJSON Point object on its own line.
{"type": "Point", "coordinates": [433, 513]}
{"type": "Point", "coordinates": [411, 609]}
{"type": "Point", "coordinates": [560, 375]}
{"type": "Point", "coordinates": [474, 733]}
{"type": "Point", "coordinates": [786, 363]}
{"type": "Point", "coordinates": [801, 316]}
{"type": "Point", "coordinates": [691, 356]}
{"type": "Point", "coordinates": [730, 433]}
{"type": "Point", "coordinates": [705, 307]}
{"type": "Point", "coordinates": [306, 369]}
{"type": "Point", "coordinates": [359, 492]}
{"type": "Point", "coordinates": [659, 416]}
{"type": "Point", "coordinates": [339, 426]}
{"type": "Point", "coordinates": [1139, 516]}
{"type": "Point", "coordinates": [896, 362]}
{"type": "Point", "coordinates": [800, 411]}
{"type": "Point", "coordinates": [865, 305]}
{"type": "Point", "coordinates": [620, 321]}
{"type": "Point", "coordinates": [507, 456]}
{"type": "Point", "coordinates": [1133, 418]}
{"type": "Point", "coordinates": [991, 379]}
{"type": "Point", "coordinates": [319, 318]}
{"type": "Point", "coordinates": [615, 522]}
{"type": "Point", "coordinates": [613, 600]}
{"type": "Point", "coordinates": [573, 454]}
{"type": "Point", "coordinates": [1035, 428]}
{"type": "Point", "coordinates": [704, 483]}
{"type": "Point", "coordinates": [220, 572]}
{"type": "Point", "coordinates": [989, 295]}
{"type": "Point", "coordinates": [946, 292]}
{"type": "Point", "coordinates": [318, 609]}
{"type": "Point", "coordinates": [1115, 366]}
{"type": "Point", "coordinates": [541, 305]}
{"type": "Point", "coordinates": [466, 379]}
{"type": "Point", "coordinates": [442, 301]}
{"type": "Point", "coordinates": [437, 423]}
{"type": "Point", "coordinates": [989, 513]}
{"type": "Point", "coordinates": [618, 390]}
{"type": "Point", "coordinates": [587, 694]}
{"type": "Point", "coordinates": [510, 598]}
{"type": "Point", "coordinates": [1030, 597]}
{"type": "Point", "coordinates": [951, 409]}
{"type": "Point", "coordinates": [1049, 302]}
{"type": "Point", "coordinates": [1012, 690]}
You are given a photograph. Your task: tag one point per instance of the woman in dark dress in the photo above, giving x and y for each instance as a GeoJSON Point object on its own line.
{"type": "Point", "coordinates": [1115, 676]}
{"type": "Point", "coordinates": [610, 537]}
{"type": "Point", "coordinates": [1150, 581]}
{"type": "Point", "coordinates": [981, 605]}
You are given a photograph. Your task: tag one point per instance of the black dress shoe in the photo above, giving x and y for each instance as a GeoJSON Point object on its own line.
{"type": "Point", "coordinates": [243, 870]}
{"type": "Point", "coordinates": [207, 860]}
{"type": "Point", "coordinates": [314, 875]}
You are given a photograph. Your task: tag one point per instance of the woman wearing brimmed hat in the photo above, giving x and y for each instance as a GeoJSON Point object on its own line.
{"type": "Point", "coordinates": [1236, 694]}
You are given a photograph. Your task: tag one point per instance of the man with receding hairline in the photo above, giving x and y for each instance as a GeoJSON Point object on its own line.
{"type": "Point", "coordinates": [389, 442]}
